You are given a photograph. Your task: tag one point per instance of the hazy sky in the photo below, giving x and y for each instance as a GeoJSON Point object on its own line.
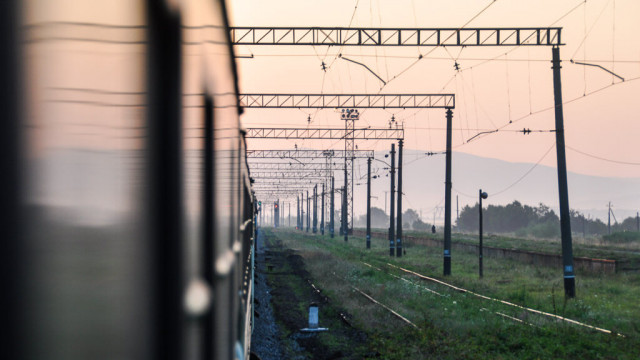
{"type": "Point", "coordinates": [515, 86]}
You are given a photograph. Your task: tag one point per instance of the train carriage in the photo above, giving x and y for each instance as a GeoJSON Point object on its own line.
{"type": "Point", "coordinates": [129, 212]}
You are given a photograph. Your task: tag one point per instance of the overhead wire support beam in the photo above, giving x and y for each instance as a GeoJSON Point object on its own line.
{"type": "Point", "coordinates": [351, 101]}
{"type": "Point", "coordinates": [598, 66]}
{"type": "Point", "coordinates": [289, 175]}
{"type": "Point", "coordinates": [287, 191]}
{"type": "Point", "coordinates": [294, 166]}
{"type": "Point", "coordinates": [323, 133]}
{"type": "Point", "coordinates": [284, 181]}
{"type": "Point", "coordinates": [340, 36]}
{"type": "Point", "coordinates": [297, 183]}
{"type": "Point", "coordinates": [274, 190]}
{"type": "Point", "coordinates": [300, 171]}
{"type": "Point", "coordinates": [306, 154]}
{"type": "Point", "coordinates": [365, 66]}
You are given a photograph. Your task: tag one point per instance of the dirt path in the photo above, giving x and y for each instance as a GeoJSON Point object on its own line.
{"type": "Point", "coordinates": [265, 340]}
{"type": "Point", "coordinates": [284, 290]}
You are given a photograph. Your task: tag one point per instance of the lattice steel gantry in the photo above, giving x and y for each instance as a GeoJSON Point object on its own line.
{"type": "Point", "coordinates": [347, 101]}
{"type": "Point", "coordinates": [322, 133]}
{"type": "Point", "coordinates": [349, 134]}
{"type": "Point", "coordinates": [294, 166]}
{"type": "Point", "coordinates": [340, 36]}
{"type": "Point", "coordinates": [467, 37]}
{"type": "Point", "coordinates": [305, 154]}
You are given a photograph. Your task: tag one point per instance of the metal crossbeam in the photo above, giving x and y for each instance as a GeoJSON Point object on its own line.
{"type": "Point", "coordinates": [304, 133]}
{"type": "Point", "coordinates": [306, 154]}
{"type": "Point", "coordinates": [339, 36]}
{"type": "Point", "coordinates": [291, 171]}
{"type": "Point", "coordinates": [282, 190]}
{"type": "Point", "coordinates": [295, 166]}
{"type": "Point", "coordinates": [286, 181]}
{"type": "Point", "coordinates": [288, 175]}
{"type": "Point", "coordinates": [284, 186]}
{"type": "Point", "coordinates": [352, 101]}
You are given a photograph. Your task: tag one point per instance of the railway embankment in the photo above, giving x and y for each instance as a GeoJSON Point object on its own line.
{"type": "Point", "coordinates": [581, 263]}
{"type": "Point", "coordinates": [284, 292]}
{"type": "Point", "coordinates": [404, 307]}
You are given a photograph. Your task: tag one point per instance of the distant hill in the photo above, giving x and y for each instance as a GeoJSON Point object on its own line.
{"type": "Point", "coordinates": [424, 186]}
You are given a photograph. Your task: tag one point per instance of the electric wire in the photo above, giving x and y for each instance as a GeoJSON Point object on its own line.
{"type": "Point", "coordinates": [592, 27]}
{"type": "Point", "coordinates": [500, 129]}
{"type": "Point", "coordinates": [603, 159]}
{"type": "Point", "coordinates": [422, 56]}
{"type": "Point", "coordinates": [582, 2]}
{"type": "Point", "coordinates": [527, 172]}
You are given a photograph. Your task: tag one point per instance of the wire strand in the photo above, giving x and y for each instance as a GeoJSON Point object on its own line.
{"type": "Point", "coordinates": [603, 159]}
{"type": "Point", "coordinates": [528, 171]}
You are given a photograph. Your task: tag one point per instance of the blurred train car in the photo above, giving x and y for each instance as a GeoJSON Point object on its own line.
{"type": "Point", "coordinates": [126, 201]}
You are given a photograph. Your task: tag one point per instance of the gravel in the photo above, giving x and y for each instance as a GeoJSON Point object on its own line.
{"type": "Point", "coordinates": [265, 340]}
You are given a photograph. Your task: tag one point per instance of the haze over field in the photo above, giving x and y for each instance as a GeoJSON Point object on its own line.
{"type": "Point", "coordinates": [424, 186]}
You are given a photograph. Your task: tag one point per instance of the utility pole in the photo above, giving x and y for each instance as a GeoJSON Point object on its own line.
{"type": "Point", "coordinates": [457, 211]}
{"type": "Point", "coordinates": [289, 219]}
{"type": "Point", "coordinates": [322, 213]}
{"type": "Point", "coordinates": [297, 212]}
{"type": "Point", "coordinates": [343, 208]}
{"type": "Point", "coordinates": [315, 209]}
{"type": "Point", "coordinates": [563, 187]}
{"type": "Point", "coordinates": [447, 198]}
{"type": "Point", "coordinates": [482, 195]}
{"type": "Point", "coordinates": [332, 212]}
{"type": "Point", "coordinates": [345, 231]}
{"type": "Point", "coordinates": [609, 219]}
{"type": "Point", "coordinates": [638, 221]}
{"type": "Point", "coordinates": [308, 212]}
{"type": "Point", "coordinates": [391, 200]}
{"type": "Point", "coordinates": [399, 223]}
{"type": "Point", "coordinates": [369, 203]}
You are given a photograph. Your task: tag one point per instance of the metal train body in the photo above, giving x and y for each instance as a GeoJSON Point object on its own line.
{"type": "Point", "coordinates": [127, 208]}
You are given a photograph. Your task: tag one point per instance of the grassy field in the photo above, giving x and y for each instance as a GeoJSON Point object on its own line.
{"type": "Point", "coordinates": [459, 325]}
{"type": "Point", "coordinates": [615, 247]}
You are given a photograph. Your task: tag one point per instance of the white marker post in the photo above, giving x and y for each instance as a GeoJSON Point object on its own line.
{"type": "Point", "coordinates": [313, 320]}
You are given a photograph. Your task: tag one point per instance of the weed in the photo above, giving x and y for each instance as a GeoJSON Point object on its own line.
{"type": "Point", "coordinates": [458, 325]}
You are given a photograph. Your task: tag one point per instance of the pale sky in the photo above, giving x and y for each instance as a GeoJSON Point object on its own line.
{"type": "Point", "coordinates": [489, 94]}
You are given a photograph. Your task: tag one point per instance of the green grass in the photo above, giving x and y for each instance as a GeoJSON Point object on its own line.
{"type": "Point", "coordinates": [459, 325]}
{"type": "Point", "coordinates": [624, 247]}
{"type": "Point", "coordinates": [622, 237]}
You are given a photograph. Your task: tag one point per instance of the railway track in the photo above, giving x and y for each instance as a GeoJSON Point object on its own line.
{"type": "Point", "coordinates": [462, 290]}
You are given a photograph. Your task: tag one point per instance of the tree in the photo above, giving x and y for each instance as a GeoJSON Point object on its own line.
{"type": "Point", "coordinates": [419, 225]}
{"type": "Point", "coordinates": [468, 219]}
{"type": "Point", "coordinates": [379, 219]}
{"type": "Point", "coordinates": [410, 216]}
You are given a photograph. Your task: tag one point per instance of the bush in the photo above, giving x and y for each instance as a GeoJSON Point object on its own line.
{"type": "Point", "coordinates": [549, 229]}
{"type": "Point", "coordinates": [622, 237]}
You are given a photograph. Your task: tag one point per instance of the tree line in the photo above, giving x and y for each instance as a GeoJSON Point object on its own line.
{"type": "Point", "coordinates": [380, 220]}
{"type": "Point", "coordinates": [515, 218]}
{"type": "Point", "coordinates": [540, 221]}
